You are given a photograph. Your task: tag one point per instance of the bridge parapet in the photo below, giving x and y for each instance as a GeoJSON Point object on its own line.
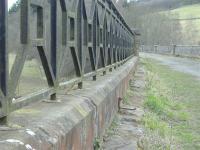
{"type": "Point", "coordinates": [76, 122]}
{"type": "Point", "coordinates": [176, 50]}
{"type": "Point", "coordinates": [77, 31]}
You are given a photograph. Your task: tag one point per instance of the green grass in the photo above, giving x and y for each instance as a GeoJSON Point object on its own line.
{"type": "Point", "coordinates": [31, 67]}
{"type": "Point", "coordinates": [190, 11]}
{"type": "Point", "coordinates": [32, 78]}
{"type": "Point", "coordinates": [172, 106]}
{"type": "Point", "coordinates": [191, 26]}
{"type": "Point", "coordinates": [155, 103]}
{"type": "Point", "coordinates": [154, 123]}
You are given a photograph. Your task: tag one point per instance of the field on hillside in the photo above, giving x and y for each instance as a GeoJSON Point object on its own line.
{"type": "Point", "coordinates": [190, 11]}
{"type": "Point", "coordinates": [191, 27]}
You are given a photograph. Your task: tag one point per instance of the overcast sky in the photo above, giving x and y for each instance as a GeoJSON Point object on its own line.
{"type": "Point", "coordinates": [11, 2]}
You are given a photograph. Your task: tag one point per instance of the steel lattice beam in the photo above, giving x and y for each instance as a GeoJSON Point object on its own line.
{"type": "Point", "coordinates": [93, 27]}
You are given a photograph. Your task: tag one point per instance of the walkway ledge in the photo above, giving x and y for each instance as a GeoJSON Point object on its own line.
{"type": "Point", "coordinates": [74, 121]}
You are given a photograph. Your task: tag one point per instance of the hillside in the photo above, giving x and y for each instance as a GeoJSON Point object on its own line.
{"type": "Point", "coordinates": [159, 5]}
{"type": "Point", "coordinates": [164, 4]}
{"type": "Point", "coordinates": [187, 16]}
{"type": "Point", "coordinates": [190, 22]}
{"type": "Point", "coordinates": [190, 11]}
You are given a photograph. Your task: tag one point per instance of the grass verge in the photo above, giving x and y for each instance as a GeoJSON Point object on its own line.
{"type": "Point", "coordinates": [171, 107]}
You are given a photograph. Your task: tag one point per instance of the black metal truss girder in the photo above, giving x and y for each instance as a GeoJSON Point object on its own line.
{"type": "Point", "coordinates": [95, 26]}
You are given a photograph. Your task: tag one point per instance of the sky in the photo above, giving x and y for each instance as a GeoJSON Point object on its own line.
{"type": "Point", "coordinates": [10, 3]}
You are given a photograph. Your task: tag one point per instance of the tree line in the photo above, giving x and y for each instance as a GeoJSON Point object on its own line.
{"type": "Point", "coordinates": [158, 27]}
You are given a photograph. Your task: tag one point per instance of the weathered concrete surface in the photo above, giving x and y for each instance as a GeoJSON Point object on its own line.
{"type": "Point", "coordinates": [74, 121]}
{"type": "Point", "coordinates": [128, 129]}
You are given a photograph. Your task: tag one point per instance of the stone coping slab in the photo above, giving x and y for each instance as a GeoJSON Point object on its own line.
{"type": "Point", "coordinates": [74, 121]}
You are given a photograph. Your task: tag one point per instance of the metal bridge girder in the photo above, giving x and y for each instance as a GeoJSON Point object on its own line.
{"type": "Point", "coordinates": [92, 26]}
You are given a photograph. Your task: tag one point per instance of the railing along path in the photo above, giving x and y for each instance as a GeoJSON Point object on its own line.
{"type": "Point", "coordinates": [93, 27]}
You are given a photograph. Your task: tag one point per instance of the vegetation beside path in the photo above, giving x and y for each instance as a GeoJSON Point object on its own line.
{"type": "Point", "coordinates": [172, 104]}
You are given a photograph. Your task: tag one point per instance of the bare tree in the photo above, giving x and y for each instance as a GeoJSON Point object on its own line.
{"type": "Point", "coordinates": [155, 27]}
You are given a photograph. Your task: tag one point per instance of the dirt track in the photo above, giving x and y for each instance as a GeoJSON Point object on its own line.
{"type": "Point", "coordinates": [186, 65]}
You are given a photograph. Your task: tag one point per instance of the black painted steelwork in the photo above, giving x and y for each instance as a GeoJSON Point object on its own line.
{"type": "Point", "coordinates": [92, 26]}
{"type": "Point", "coordinates": [3, 62]}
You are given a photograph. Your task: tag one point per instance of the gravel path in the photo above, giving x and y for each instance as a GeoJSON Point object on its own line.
{"type": "Point", "coordinates": [186, 65]}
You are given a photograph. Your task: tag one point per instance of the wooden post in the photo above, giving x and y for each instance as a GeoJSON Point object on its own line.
{"type": "Point", "coordinates": [174, 50]}
{"type": "Point", "coordinates": [155, 48]}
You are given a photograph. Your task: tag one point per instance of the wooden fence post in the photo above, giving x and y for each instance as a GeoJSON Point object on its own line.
{"type": "Point", "coordinates": [174, 50]}
{"type": "Point", "coordinates": [155, 48]}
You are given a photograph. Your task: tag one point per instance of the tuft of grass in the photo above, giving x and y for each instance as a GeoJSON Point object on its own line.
{"type": "Point", "coordinates": [111, 130]}
{"type": "Point", "coordinates": [155, 104]}
{"type": "Point", "coordinates": [154, 123]}
{"type": "Point", "coordinates": [183, 116]}
{"type": "Point", "coordinates": [97, 144]}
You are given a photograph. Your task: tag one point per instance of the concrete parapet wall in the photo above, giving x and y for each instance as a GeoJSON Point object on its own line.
{"type": "Point", "coordinates": [72, 122]}
{"type": "Point", "coordinates": [190, 51]}
{"type": "Point", "coordinates": [178, 50]}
